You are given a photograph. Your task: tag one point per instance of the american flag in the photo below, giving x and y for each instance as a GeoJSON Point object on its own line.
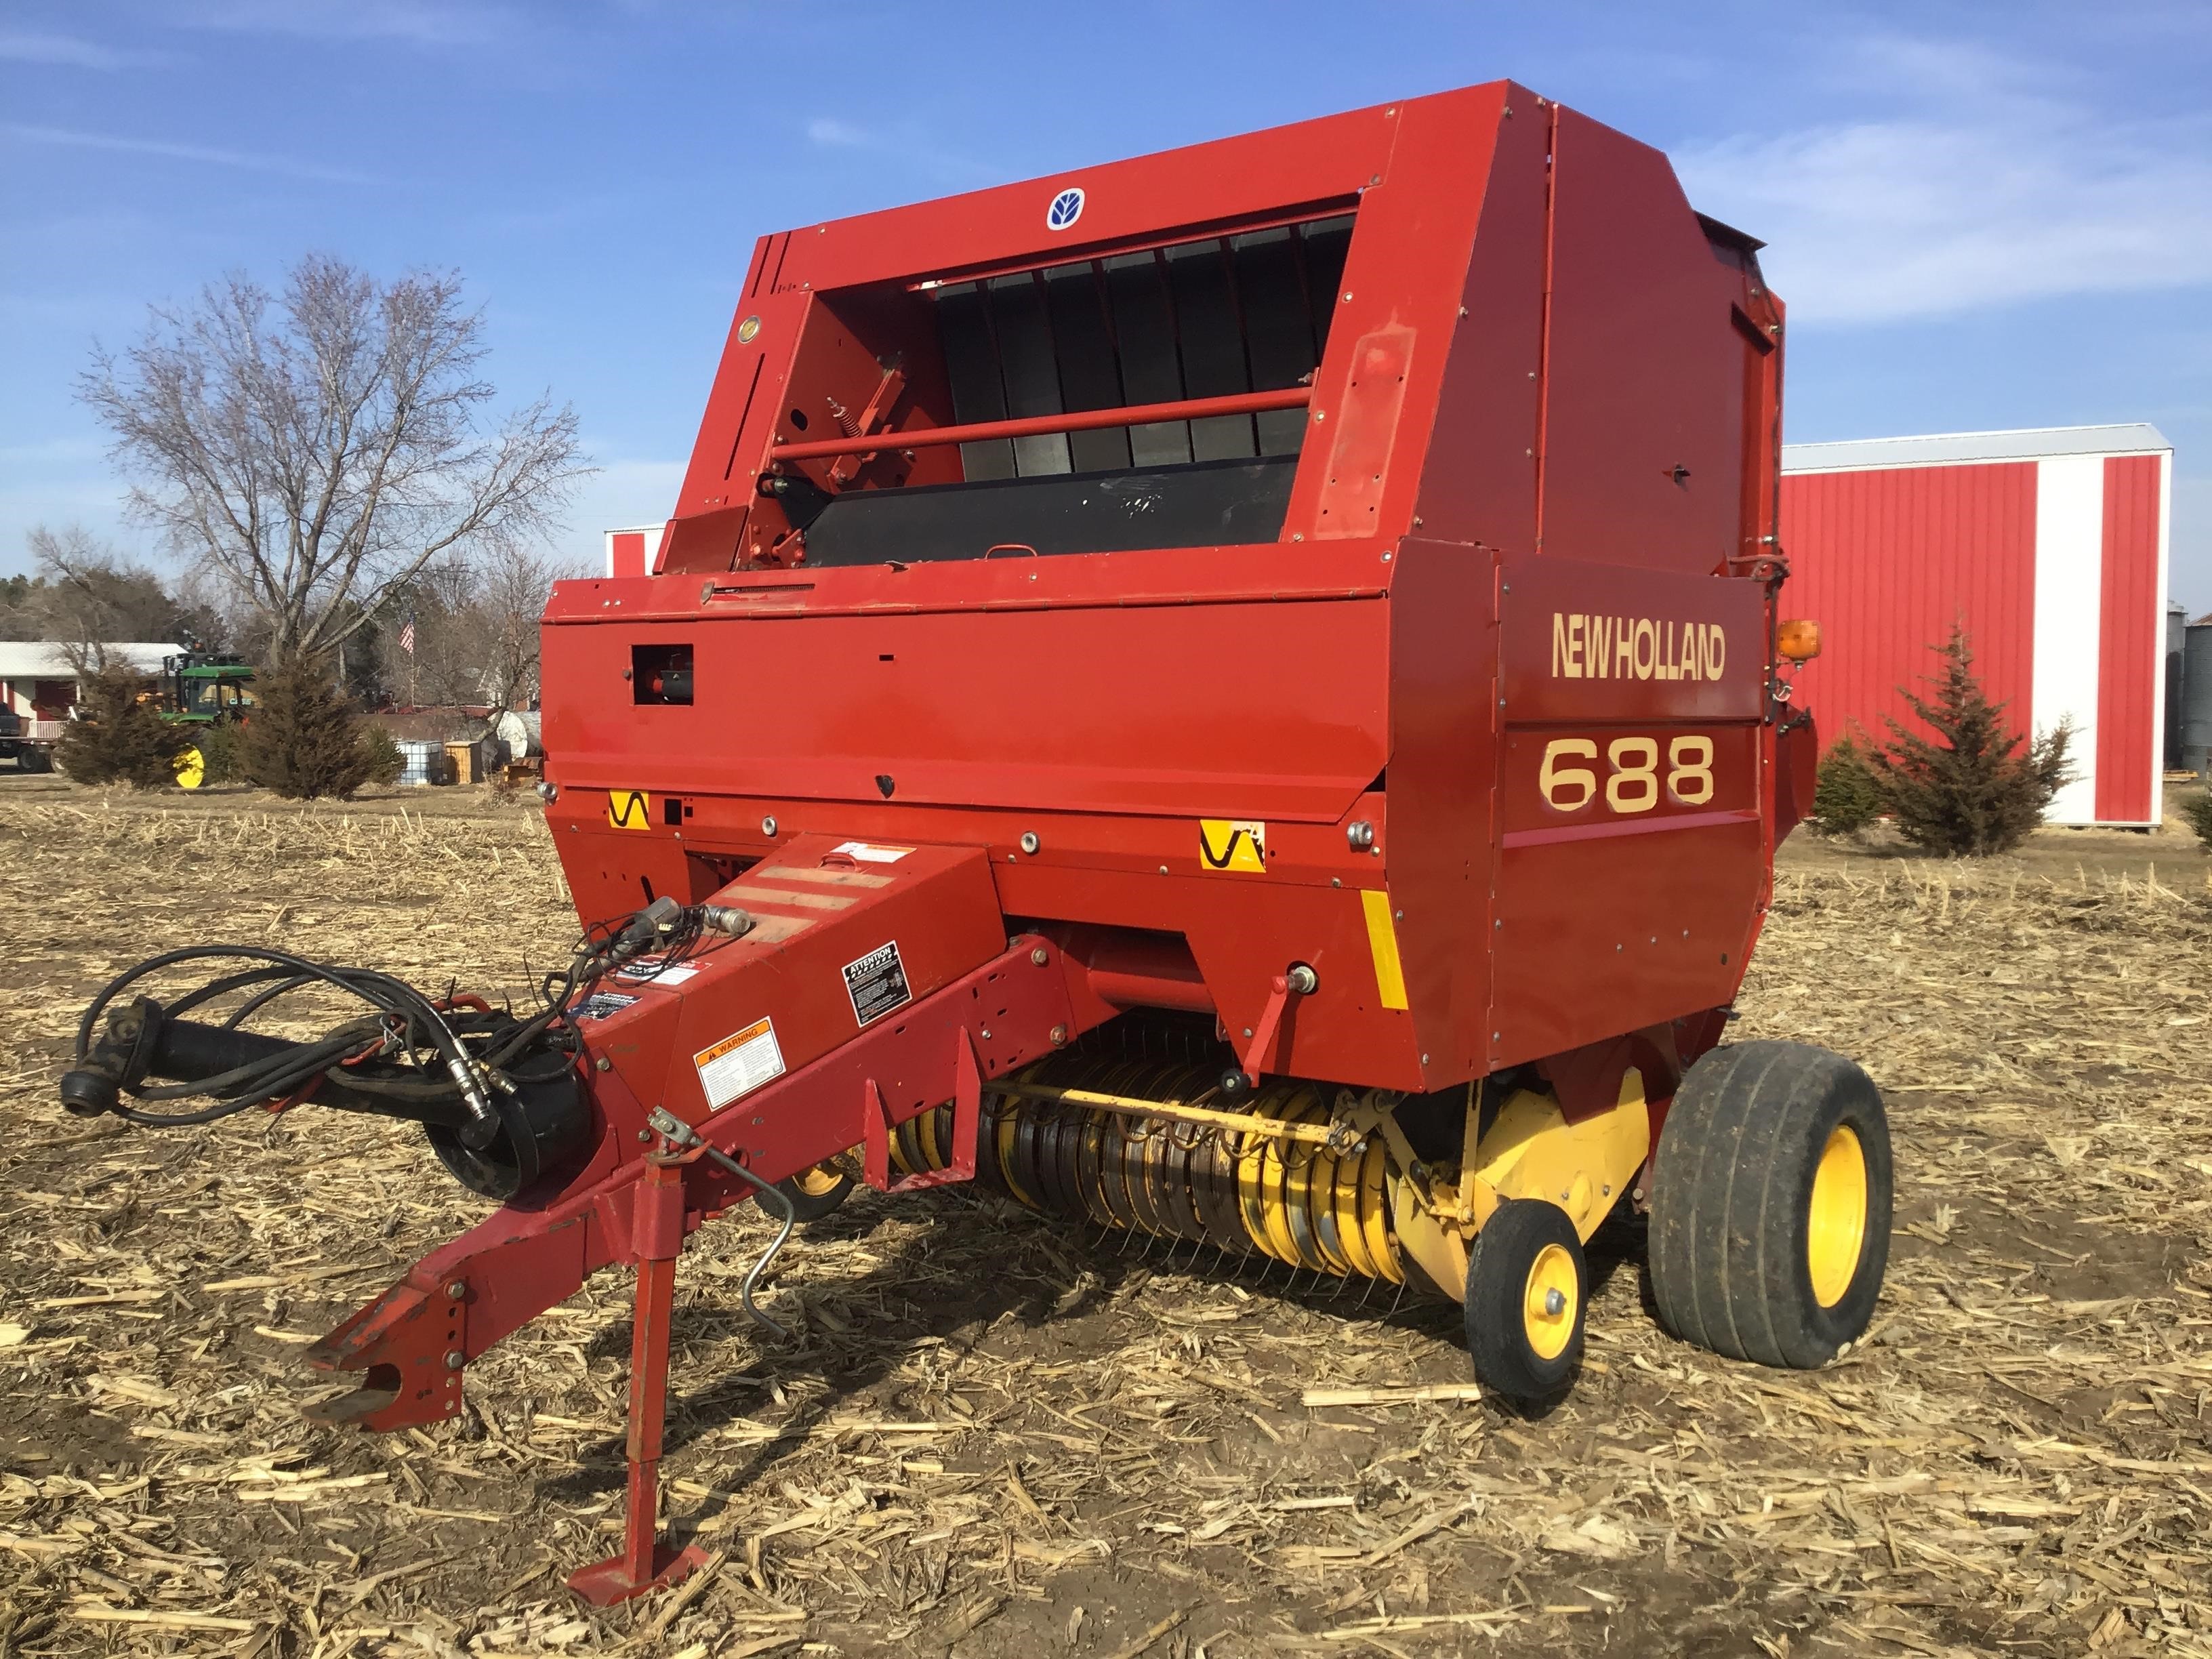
{"type": "Point", "coordinates": [407, 634]}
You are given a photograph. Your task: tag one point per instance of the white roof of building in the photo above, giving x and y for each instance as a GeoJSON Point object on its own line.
{"type": "Point", "coordinates": [1957, 448]}
{"type": "Point", "coordinates": [45, 660]}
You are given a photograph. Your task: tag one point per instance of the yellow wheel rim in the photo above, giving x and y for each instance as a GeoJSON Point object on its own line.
{"type": "Point", "coordinates": [1548, 1306]}
{"type": "Point", "coordinates": [192, 769]}
{"type": "Point", "coordinates": [818, 1182]}
{"type": "Point", "coordinates": [1835, 1231]}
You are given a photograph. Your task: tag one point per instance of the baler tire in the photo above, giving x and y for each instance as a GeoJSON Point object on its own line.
{"type": "Point", "coordinates": [1771, 1193]}
{"type": "Point", "coordinates": [1524, 1350]}
{"type": "Point", "coordinates": [828, 1195]}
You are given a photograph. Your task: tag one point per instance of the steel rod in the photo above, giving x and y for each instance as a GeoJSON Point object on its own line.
{"type": "Point", "coordinates": [1031, 426]}
{"type": "Point", "coordinates": [1317, 1134]}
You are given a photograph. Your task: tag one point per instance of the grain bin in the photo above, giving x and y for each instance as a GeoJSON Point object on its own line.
{"type": "Point", "coordinates": [2196, 699]}
{"type": "Point", "coordinates": [2177, 633]}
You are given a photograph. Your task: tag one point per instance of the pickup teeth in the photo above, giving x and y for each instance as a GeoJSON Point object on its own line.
{"type": "Point", "coordinates": [1245, 1193]}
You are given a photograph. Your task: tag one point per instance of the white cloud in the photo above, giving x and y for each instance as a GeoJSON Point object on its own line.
{"type": "Point", "coordinates": [67, 52]}
{"type": "Point", "coordinates": [228, 158]}
{"type": "Point", "coordinates": [49, 451]}
{"type": "Point", "coordinates": [1991, 186]}
{"type": "Point", "coordinates": [419, 23]}
{"type": "Point", "coordinates": [906, 146]}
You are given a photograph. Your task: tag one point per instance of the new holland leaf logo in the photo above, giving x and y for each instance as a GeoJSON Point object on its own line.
{"type": "Point", "coordinates": [1232, 844]}
{"type": "Point", "coordinates": [629, 809]}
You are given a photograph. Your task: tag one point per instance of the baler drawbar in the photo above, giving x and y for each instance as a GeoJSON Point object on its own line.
{"type": "Point", "coordinates": [1238, 697]}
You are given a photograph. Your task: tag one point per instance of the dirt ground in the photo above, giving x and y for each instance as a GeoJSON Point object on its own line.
{"type": "Point", "coordinates": [998, 1438]}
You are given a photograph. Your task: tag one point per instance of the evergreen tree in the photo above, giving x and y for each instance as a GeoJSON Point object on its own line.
{"type": "Point", "coordinates": [1972, 789]}
{"type": "Point", "coordinates": [2196, 813]}
{"type": "Point", "coordinates": [122, 737]}
{"type": "Point", "coordinates": [304, 740]}
{"type": "Point", "coordinates": [1846, 792]}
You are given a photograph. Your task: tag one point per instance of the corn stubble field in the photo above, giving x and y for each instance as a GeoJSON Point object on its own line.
{"type": "Point", "coordinates": [995, 1437]}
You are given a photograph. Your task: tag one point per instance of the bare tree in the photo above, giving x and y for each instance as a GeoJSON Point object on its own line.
{"type": "Point", "coordinates": [321, 449]}
{"type": "Point", "coordinates": [88, 597]}
{"type": "Point", "coordinates": [508, 600]}
{"type": "Point", "coordinates": [476, 631]}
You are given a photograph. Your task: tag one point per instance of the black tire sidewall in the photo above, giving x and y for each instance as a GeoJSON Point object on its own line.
{"type": "Point", "coordinates": [1731, 1203]}
{"type": "Point", "coordinates": [1847, 1098]}
{"type": "Point", "coordinates": [1497, 1280]}
{"type": "Point", "coordinates": [807, 1206]}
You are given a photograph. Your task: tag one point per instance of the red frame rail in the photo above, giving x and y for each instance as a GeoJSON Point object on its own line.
{"type": "Point", "coordinates": [1034, 426]}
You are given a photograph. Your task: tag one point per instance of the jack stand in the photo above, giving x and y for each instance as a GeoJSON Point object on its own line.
{"type": "Point", "coordinates": [645, 1563]}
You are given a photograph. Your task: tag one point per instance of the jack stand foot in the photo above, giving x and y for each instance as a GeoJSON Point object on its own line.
{"type": "Point", "coordinates": [605, 1583]}
{"type": "Point", "coordinates": [645, 1563]}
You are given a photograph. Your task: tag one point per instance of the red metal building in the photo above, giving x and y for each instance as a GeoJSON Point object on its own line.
{"type": "Point", "coordinates": [2051, 547]}
{"type": "Point", "coordinates": [633, 552]}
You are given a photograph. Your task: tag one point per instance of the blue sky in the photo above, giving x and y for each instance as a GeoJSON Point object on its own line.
{"type": "Point", "coordinates": [1981, 216]}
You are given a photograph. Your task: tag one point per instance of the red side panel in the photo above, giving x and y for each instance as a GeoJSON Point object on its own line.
{"type": "Point", "coordinates": [1630, 897]}
{"type": "Point", "coordinates": [1189, 708]}
{"type": "Point", "coordinates": [1643, 368]}
{"type": "Point", "coordinates": [1885, 561]}
{"type": "Point", "coordinates": [626, 553]}
{"type": "Point", "coordinates": [1486, 418]}
{"type": "Point", "coordinates": [2126, 745]}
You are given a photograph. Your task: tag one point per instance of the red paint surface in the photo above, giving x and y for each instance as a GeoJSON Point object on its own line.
{"type": "Point", "coordinates": [1104, 703]}
{"type": "Point", "coordinates": [1886, 560]}
{"type": "Point", "coordinates": [1623, 341]}
{"type": "Point", "coordinates": [1044, 735]}
{"type": "Point", "coordinates": [2129, 659]}
{"type": "Point", "coordinates": [626, 553]}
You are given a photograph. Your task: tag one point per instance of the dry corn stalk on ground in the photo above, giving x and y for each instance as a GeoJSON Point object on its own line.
{"type": "Point", "coordinates": [997, 1437]}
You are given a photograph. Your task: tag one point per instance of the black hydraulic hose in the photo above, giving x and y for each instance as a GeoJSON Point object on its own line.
{"type": "Point", "coordinates": [219, 1061]}
{"type": "Point", "coordinates": [254, 1068]}
{"type": "Point", "coordinates": [390, 996]}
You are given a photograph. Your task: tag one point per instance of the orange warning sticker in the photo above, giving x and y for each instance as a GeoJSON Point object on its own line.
{"type": "Point", "coordinates": [739, 1063]}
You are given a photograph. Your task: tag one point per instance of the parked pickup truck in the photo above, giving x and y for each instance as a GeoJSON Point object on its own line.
{"type": "Point", "coordinates": [30, 743]}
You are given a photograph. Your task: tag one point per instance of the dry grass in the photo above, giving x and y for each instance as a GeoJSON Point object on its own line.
{"type": "Point", "coordinates": [999, 1439]}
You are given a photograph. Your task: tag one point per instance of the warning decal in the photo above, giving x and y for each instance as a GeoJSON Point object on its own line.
{"type": "Point", "coordinates": [656, 971]}
{"type": "Point", "coordinates": [600, 1004]}
{"type": "Point", "coordinates": [1232, 844]}
{"type": "Point", "coordinates": [739, 1063]}
{"type": "Point", "coordinates": [629, 809]}
{"type": "Point", "coordinates": [877, 983]}
{"type": "Point", "coordinates": [866, 853]}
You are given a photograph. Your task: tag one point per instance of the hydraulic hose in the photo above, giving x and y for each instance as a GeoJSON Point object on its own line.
{"type": "Point", "coordinates": [776, 1203]}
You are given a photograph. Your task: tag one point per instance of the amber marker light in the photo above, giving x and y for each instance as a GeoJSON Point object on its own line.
{"type": "Point", "coordinates": [1800, 641]}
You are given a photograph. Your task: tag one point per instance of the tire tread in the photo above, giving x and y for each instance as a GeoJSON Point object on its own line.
{"type": "Point", "coordinates": [1728, 1182]}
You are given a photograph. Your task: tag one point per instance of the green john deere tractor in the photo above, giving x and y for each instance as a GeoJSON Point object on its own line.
{"type": "Point", "coordinates": [204, 690]}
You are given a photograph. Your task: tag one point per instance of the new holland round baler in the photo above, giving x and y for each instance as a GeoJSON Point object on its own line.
{"type": "Point", "coordinates": [1237, 696]}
